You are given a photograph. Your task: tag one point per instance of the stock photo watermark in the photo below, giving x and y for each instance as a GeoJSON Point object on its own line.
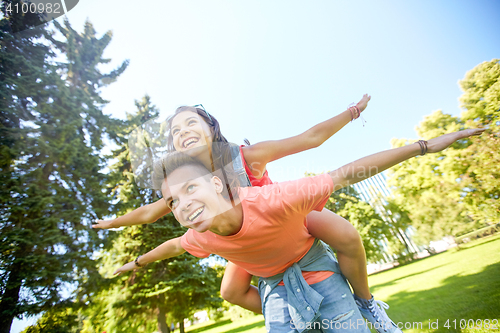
{"type": "Point", "coordinates": [47, 10]}
{"type": "Point", "coordinates": [488, 324]}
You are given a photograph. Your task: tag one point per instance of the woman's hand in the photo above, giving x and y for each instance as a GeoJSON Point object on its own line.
{"type": "Point", "coordinates": [125, 268]}
{"type": "Point", "coordinates": [363, 103]}
{"type": "Point", "coordinates": [103, 224]}
{"type": "Point", "coordinates": [437, 144]}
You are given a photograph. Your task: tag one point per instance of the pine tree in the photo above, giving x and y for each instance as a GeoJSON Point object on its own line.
{"type": "Point", "coordinates": [22, 67]}
{"type": "Point", "coordinates": [52, 130]}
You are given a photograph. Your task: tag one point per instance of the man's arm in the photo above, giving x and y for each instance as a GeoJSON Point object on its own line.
{"type": "Point", "coordinates": [371, 165]}
{"type": "Point", "coordinates": [169, 249]}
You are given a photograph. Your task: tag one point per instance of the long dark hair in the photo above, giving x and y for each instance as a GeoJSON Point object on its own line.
{"type": "Point", "coordinates": [210, 120]}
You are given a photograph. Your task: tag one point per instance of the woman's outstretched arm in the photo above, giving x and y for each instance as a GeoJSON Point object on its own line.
{"type": "Point", "coordinates": [258, 155]}
{"type": "Point", "coordinates": [142, 215]}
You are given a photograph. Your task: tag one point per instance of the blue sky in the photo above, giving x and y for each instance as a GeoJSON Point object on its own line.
{"type": "Point", "coordinates": [272, 69]}
{"type": "Point", "coordinates": [269, 70]}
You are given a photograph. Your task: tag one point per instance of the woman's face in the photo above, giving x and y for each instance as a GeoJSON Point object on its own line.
{"type": "Point", "coordinates": [189, 131]}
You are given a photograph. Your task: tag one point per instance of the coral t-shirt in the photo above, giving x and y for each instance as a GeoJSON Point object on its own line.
{"type": "Point", "coordinates": [273, 234]}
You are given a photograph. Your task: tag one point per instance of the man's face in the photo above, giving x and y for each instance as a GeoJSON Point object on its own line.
{"type": "Point", "coordinates": [193, 198]}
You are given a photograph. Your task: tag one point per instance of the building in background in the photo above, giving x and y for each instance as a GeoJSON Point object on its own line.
{"type": "Point", "coordinates": [375, 192]}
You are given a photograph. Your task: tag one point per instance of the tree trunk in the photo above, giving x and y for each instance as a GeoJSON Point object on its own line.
{"type": "Point", "coordinates": [181, 326]}
{"type": "Point", "coordinates": [162, 323]}
{"type": "Point", "coordinates": [8, 303]}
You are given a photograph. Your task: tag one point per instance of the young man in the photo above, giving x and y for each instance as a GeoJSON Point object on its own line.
{"type": "Point", "coordinates": [263, 231]}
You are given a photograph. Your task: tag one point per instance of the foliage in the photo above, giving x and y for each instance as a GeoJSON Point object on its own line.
{"type": "Point", "coordinates": [481, 98]}
{"type": "Point", "coordinates": [371, 227]}
{"type": "Point", "coordinates": [399, 244]}
{"type": "Point", "coordinates": [52, 127]}
{"type": "Point", "coordinates": [456, 190]}
{"type": "Point", "coordinates": [481, 105]}
{"type": "Point", "coordinates": [57, 320]}
{"type": "Point", "coordinates": [376, 231]}
{"type": "Point", "coordinates": [428, 187]}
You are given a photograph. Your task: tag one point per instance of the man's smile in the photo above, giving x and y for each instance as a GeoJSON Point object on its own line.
{"type": "Point", "coordinates": [196, 213]}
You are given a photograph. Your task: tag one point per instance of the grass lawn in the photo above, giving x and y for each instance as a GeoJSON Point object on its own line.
{"type": "Point", "coordinates": [254, 324]}
{"type": "Point", "coordinates": [454, 285]}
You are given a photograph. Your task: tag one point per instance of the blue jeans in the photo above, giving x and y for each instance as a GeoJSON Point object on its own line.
{"type": "Point", "coordinates": [339, 312]}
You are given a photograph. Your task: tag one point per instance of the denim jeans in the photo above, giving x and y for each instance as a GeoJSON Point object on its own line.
{"type": "Point", "coordinates": [339, 312]}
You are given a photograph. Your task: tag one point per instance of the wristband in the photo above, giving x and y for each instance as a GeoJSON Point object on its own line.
{"type": "Point", "coordinates": [423, 147]}
{"type": "Point", "coordinates": [136, 261]}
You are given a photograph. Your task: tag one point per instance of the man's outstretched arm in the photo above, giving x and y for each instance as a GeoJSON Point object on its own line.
{"type": "Point", "coordinates": [371, 165]}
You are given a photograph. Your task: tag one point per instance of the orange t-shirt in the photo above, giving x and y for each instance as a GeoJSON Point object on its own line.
{"type": "Point", "coordinates": [273, 234]}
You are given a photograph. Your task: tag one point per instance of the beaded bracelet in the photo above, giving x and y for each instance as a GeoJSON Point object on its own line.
{"type": "Point", "coordinates": [352, 114]}
{"type": "Point", "coordinates": [355, 112]}
{"type": "Point", "coordinates": [136, 261]}
{"type": "Point", "coordinates": [359, 111]}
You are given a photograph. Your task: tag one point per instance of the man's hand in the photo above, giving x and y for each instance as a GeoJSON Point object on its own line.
{"type": "Point", "coordinates": [440, 143]}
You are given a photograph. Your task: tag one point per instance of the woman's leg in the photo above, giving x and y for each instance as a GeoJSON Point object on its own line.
{"type": "Point", "coordinates": [342, 236]}
{"type": "Point", "coordinates": [236, 288]}
{"type": "Point", "coordinates": [337, 232]}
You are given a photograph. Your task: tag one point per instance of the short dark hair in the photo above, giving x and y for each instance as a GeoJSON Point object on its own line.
{"type": "Point", "coordinates": [171, 162]}
{"type": "Point", "coordinates": [175, 160]}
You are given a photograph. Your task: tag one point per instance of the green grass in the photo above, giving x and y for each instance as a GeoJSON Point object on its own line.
{"type": "Point", "coordinates": [457, 284]}
{"type": "Point", "coordinates": [254, 324]}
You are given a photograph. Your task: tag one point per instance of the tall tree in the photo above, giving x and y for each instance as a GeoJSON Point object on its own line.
{"type": "Point", "coordinates": [456, 190]}
{"type": "Point", "coordinates": [481, 104]}
{"type": "Point", "coordinates": [172, 288]}
{"type": "Point", "coordinates": [51, 134]}
{"type": "Point", "coordinates": [22, 61]}
{"type": "Point", "coordinates": [430, 187]}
